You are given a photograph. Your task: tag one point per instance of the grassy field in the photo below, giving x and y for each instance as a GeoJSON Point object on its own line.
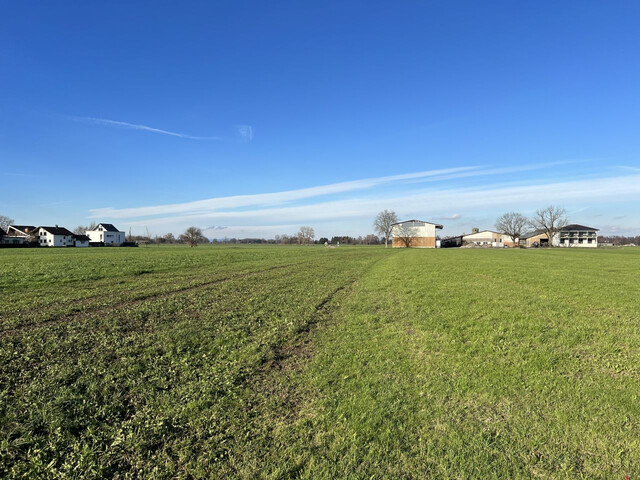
{"type": "Point", "coordinates": [306, 362]}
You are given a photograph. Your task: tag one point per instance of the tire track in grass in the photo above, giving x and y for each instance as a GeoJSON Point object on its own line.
{"type": "Point", "coordinates": [101, 308]}
{"type": "Point", "coordinates": [131, 303]}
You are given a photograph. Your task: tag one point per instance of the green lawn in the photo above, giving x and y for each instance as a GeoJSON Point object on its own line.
{"type": "Point", "coordinates": [306, 362]}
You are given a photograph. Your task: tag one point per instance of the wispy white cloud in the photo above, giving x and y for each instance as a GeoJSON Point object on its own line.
{"type": "Point", "coordinates": [423, 203]}
{"type": "Point", "coordinates": [270, 199]}
{"type": "Point", "coordinates": [134, 126]}
{"type": "Point", "coordinates": [455, 216]}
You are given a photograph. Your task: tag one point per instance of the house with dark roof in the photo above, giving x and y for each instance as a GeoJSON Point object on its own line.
{"type": "Point", "coordinates": [414, 233]}
{"type": "Point", "coordinates": [27, 232]}
{"type": "Point", "coordinates": [81, 240]}
{"type": "Point", "coordinates": [106, 233]}
{"type": "Point", "coordinates": [576, 236]}
{"type": "Point", "coordinates": [570, 236]}
{"type": "Point", "coordinates": [534, 238]}
{"type": "Point", "coordinates": [54, 237]}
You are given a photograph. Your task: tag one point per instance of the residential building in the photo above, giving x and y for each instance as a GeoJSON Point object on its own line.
{"type": "Point", "coordinates": [421, 234]}
{"type": "Point", "coordinates": [27, 232]}
{"type": "Point", "coordinates": [81, 240]}
{"type": "Point", "coordinates": [107, 234]}
{"type": "Point", "coordinates": [570, 236]}
{"type": "Point", "coordinates": [576, 236]}
{"type": "Point", "coordinates": [55, 237]}
{"type": "Point", "coordinates": [9, 239]}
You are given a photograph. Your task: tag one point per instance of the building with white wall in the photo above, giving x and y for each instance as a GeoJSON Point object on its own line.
{"type": "Point", "coordinates": [417, 233]}
{"type": "Point", "coordinates": [107, 234]}
{"type": "Point", "coordinates": [489, 237]}
{"type": "Point", "coordinates": [55, 237]}
{"type": "Point", "coordinates": [81, 240]}
{"type": "Point", "coordinates": [576, 236]}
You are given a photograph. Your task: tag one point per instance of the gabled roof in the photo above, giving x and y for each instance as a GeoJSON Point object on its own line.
{"type": "Point", "coordinates": [57, 230]}
{"type": "Point", "coordinates": [574, 226]}
{"type": "Point", "coordinates": [81, 238]}
{"type": "Point", "coordinates": [535, 233]}
{"type": "Point", "coordinates": [483, 231]}
{"type": "Point", "coordinates": [108, 227]}
{"type": "Point", "coordinates": [26, 229]}
{"type": "Point", "coordinates": [418, 221]}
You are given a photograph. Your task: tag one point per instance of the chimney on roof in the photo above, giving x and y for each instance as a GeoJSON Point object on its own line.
{"type": "Point", "coordinates": [56, 225]}
{"type": "Point", "coordinates": [475, 230]}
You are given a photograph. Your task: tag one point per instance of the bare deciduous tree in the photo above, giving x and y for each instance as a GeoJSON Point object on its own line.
{"type": "Point", "coordinates": [512, 224]}
{"type": "Point", "coordinates": [405, 234]}
{"type": "Point", "coordinates": [306, 235]}
{"type": "Point", "coordinates": [383, 224]}
{"type": "Point", "coordinates": [550, 220]}
{"type": "Point", "coordinates": [193, 236]}
{"type": "Point", "coordinates": [5, 222]}
{"type": "Point", "coordinates": [81, 229]}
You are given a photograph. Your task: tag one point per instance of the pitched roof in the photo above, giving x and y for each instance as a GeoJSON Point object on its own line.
{"type": "Point", "coordinates": [108, 227]}
{"type": "Point", "coordinates": [482, 231]}
{"type": "Point", "coordinates": [574, 226]}
{"type": "Point", "coordinates": [531, 234]}
{"type": "Point", "coordinates": [82, 238]}
{"type": "Point", "coordinates": [23, 228]}
{"type": "Point", "coordinates": [417, 221]}
{"type": "Point", "coordinates": [57, 230]}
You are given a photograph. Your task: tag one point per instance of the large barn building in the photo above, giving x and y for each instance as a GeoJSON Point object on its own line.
{"type": "Point", "coordinates": [489, 237]}
{"type": "Point", "coordinates": [414, 233]}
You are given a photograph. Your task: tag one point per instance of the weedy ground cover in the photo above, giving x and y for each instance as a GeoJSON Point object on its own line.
{"type": "Point", "coordinates": [285, 362]}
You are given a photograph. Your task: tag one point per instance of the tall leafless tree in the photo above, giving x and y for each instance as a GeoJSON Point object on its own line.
{"type": "Point", "coordinates": [512, 224]}
{"type": "Point", "coordinates": [550, 220]}
{"type": "Point", "coordinates": [192, 236]}
{"type": "Point", "coordinates": [383, 224]}
{"type": "Point", "coordinates": [405, 234]}
{"type": "Point", "coordinates": [82, 229]}
{"type": "Point", "coordinates": [306, 235]}
{"type": "Point", "coordinates": [5, 222]}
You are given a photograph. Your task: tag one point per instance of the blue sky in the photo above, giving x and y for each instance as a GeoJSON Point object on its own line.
{"type": "Point", "coordinates": [258, 117]}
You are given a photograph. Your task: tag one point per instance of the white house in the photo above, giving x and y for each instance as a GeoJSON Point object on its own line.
{"type": "Point", "coordinates": [55, 237]}
{"type": "Point", "coordinates": [415, 233]}
{"type": "Point", "coordinates": [576, 236]}
{"type": "Point", "coordinates": [81, 240]}
{"type": "Point", "coordinates": [107, 234]}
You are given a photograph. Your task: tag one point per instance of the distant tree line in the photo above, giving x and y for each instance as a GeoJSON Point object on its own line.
{"type": "Point", "coordinates": [619, 239]}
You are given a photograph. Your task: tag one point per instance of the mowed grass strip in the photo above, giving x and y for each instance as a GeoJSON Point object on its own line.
{"type": "Point", "coordinates": [469, 364]}
{"type": "Point", "coordinates": [156, 388]}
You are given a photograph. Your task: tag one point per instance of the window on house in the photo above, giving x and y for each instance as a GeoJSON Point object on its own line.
{"type": "Point", "coordinates": [581, 240]}
{"type": "Point", "coordinates": [590, 240]}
